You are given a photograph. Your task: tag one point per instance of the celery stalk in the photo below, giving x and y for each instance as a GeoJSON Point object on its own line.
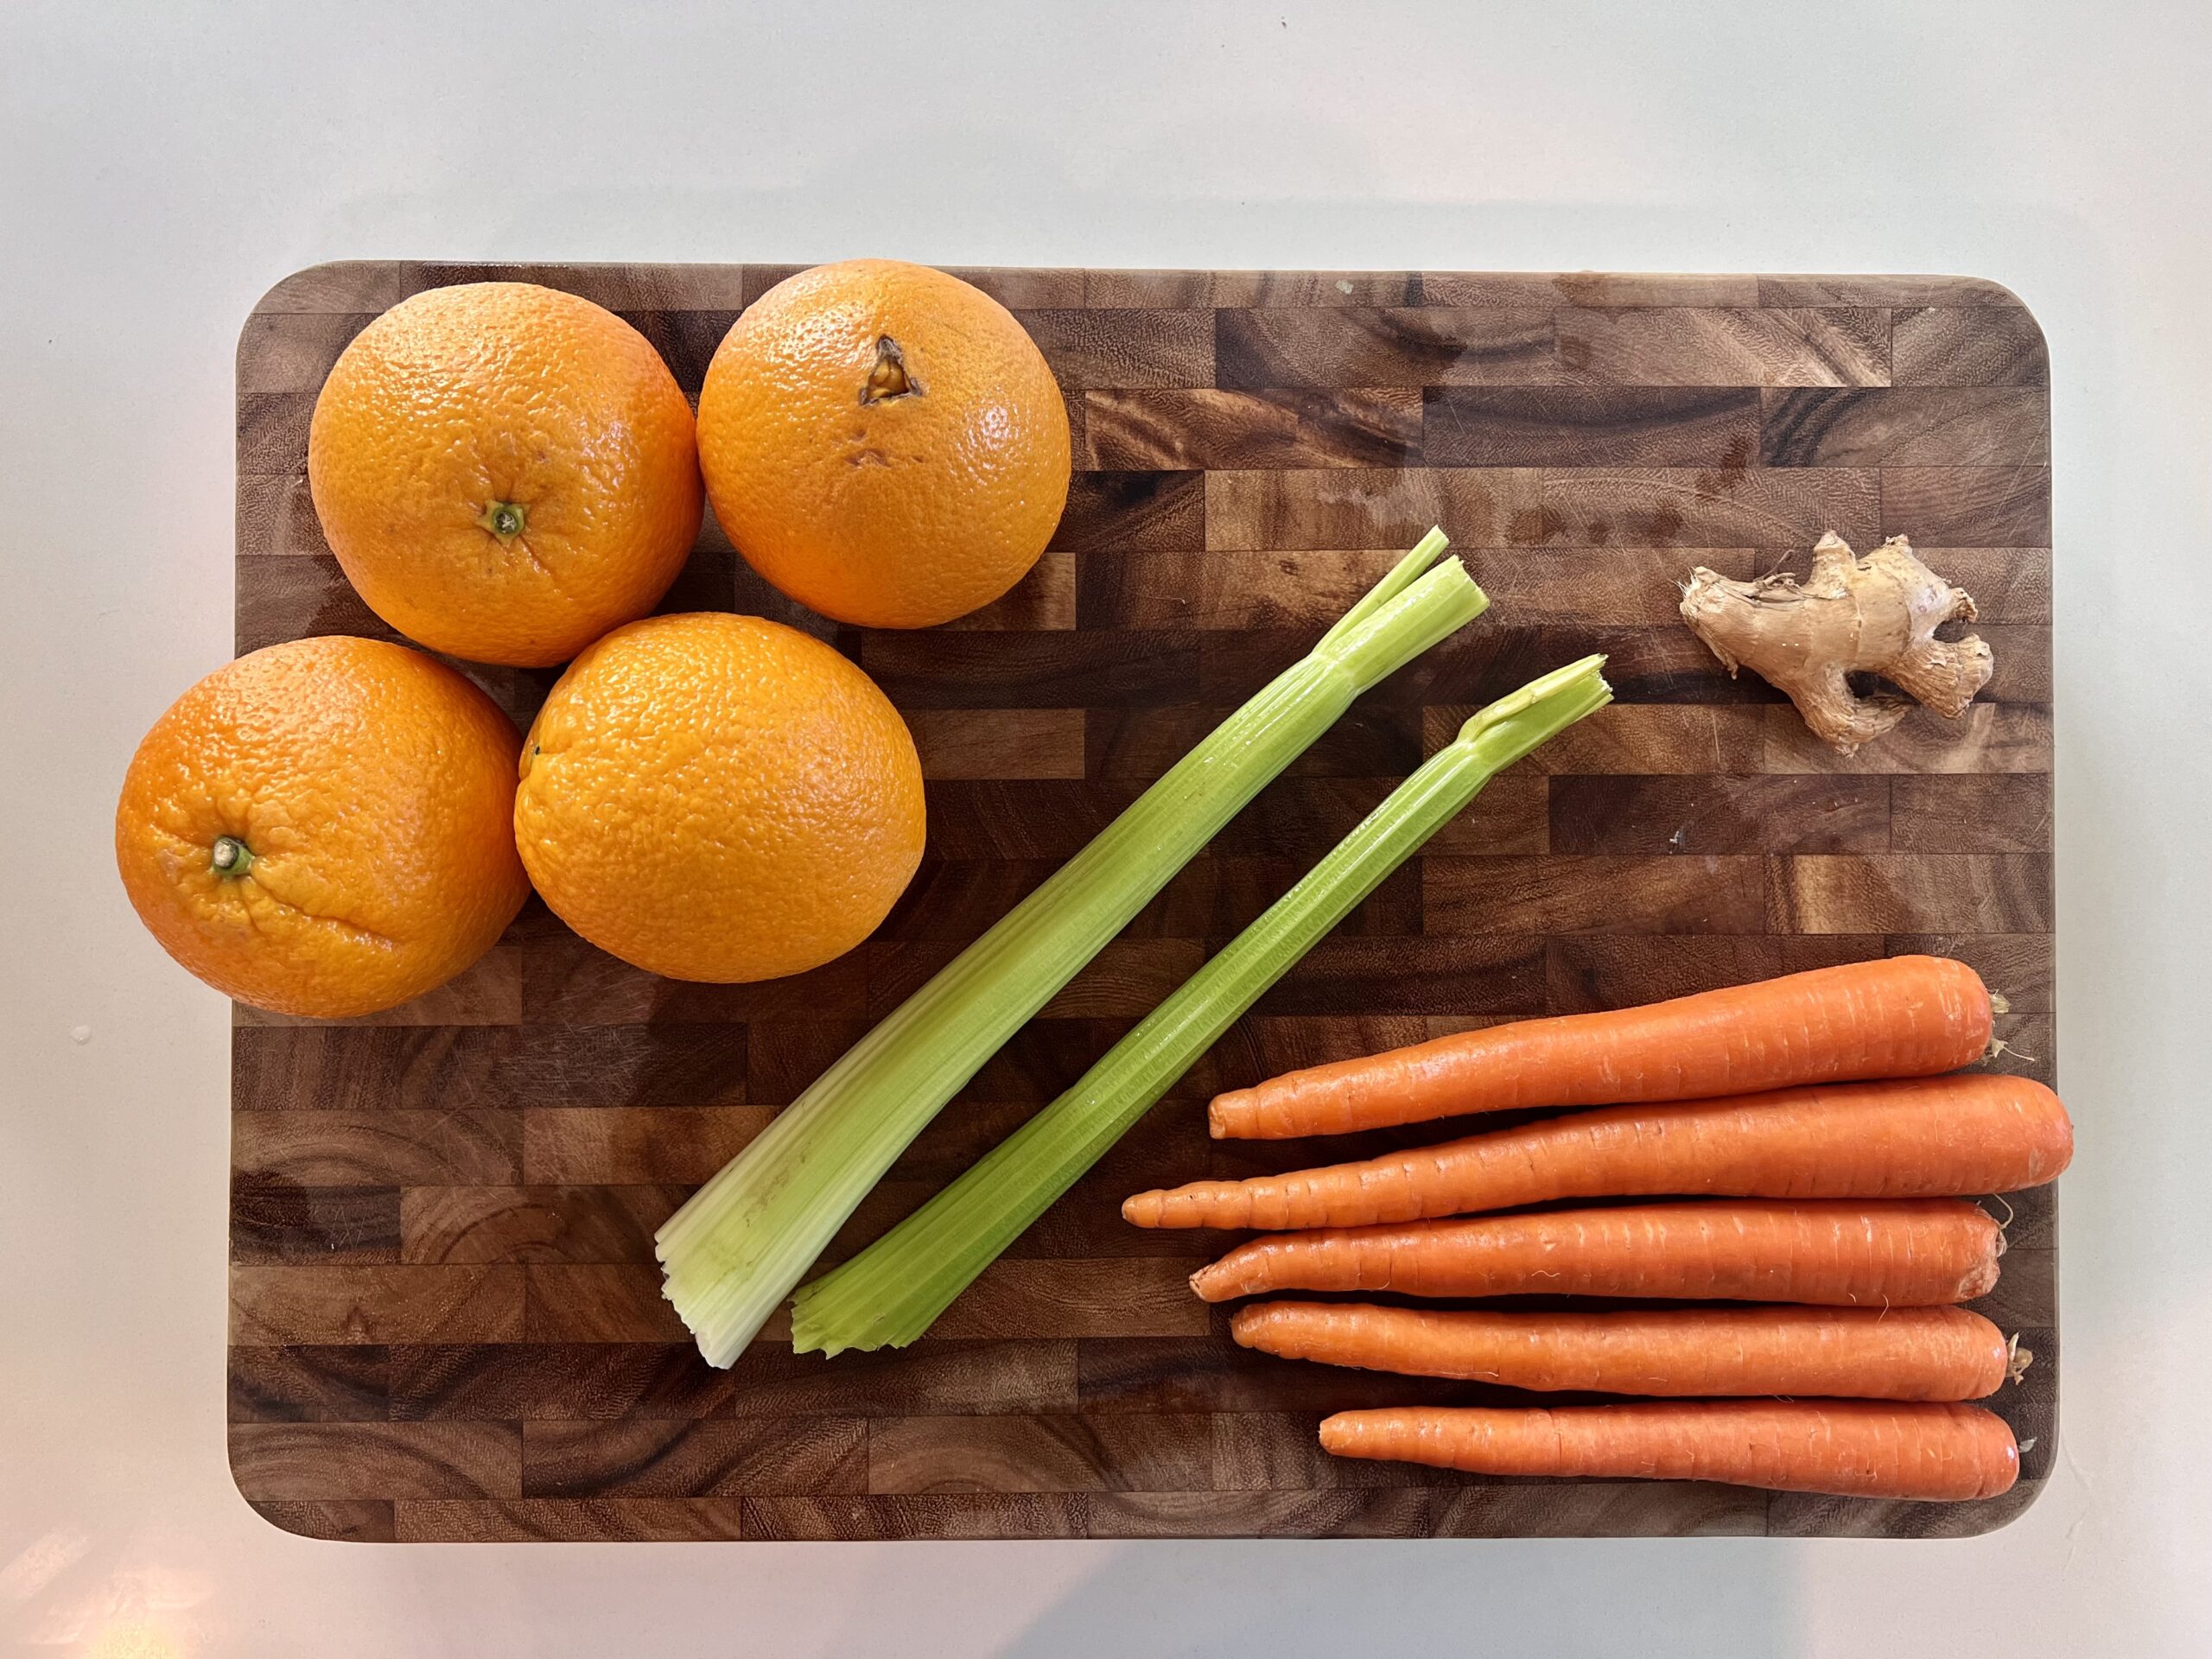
{"type": "Point", "coordinates": [890, 1293]}
{"type": "Point", "coordinates": [731, 1254]}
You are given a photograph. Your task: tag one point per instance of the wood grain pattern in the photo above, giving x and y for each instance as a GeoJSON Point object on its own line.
{"type": "Point", "coordinates": [1775, 345]}
{"type": "Point", "coordinates": [635, 1457]}
{"type": "Point", "coordinates": [555, 1520]}
{"type": "Point", "coordinates": [1943, 346]}
{"type": "Point", "coordinates": [1600, 426]}
{"type": "Point", "coordinates": [316, 1224]}
{"type": "Point", "coordinates": [445, 1320]}
{"type": "Point", "coordinates": [1931, 426]}
{"type": "Point", "coordinates": [531, 1223]}
{"type": "Point", "coordinates": [1126, 349]}
{"type": "Point", "coordinates": [1432, 346]}
{"type": "Point", "coordinates": [1180, 431]}
{"type": "Point", "coordinates": [388, 1461]}
{"type": "Point", "coordinates": [272, 1304]}
{"type": "Point", "coordinates": [518, 1382]}
{"type": "Point", "coordinates": [342, 1148]}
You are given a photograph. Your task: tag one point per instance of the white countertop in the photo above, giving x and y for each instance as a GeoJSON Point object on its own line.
{"type": "Point", "coordinates": [158, 169]}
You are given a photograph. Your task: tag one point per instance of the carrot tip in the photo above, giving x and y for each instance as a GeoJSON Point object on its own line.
{"type": "Point", "coordinates": [2010, 1214]}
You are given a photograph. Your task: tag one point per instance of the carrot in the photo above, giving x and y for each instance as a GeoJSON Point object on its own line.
{"type": "Point", "coordinates": [1924, 1137]}
{"type": "Point", "coordinates": [1867, 1353]}
{"type": "Point", "coordinates": [1854, 1448]}
{"type": "Point", "coordinates": [1915, 1252]}
{"type": "Point", "coordinates": [1904, 1017]}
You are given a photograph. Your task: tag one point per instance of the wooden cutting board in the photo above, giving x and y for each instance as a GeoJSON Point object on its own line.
{"type": "Point", "coordinates": [445, 1321]}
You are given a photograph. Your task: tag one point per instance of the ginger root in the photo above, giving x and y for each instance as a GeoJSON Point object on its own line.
{"type": "Point", "coordinates": [1875, 615]}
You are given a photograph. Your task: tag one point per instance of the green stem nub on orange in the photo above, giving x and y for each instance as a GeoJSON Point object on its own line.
{"type": "Point", "coordinates": [230, 856]}
{"type": "Point", "coordinates": [503, 518]}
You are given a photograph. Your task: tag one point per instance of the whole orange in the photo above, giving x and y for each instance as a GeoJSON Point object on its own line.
{"type": "Point", "coordinates": [884, 442]}
{"type": "Point", "coordinates": [718, 798]}
{"type": "Point", "coordinates": [323, 828]}
{"type": "Point", "coordinates": [505, 470]}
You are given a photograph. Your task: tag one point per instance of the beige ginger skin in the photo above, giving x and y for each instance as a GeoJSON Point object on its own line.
{"type": "Point", "coordinates": [1876, 614]}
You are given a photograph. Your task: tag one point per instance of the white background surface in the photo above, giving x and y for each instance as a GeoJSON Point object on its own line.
{"type": "Point", "coordinates": [160, 166]}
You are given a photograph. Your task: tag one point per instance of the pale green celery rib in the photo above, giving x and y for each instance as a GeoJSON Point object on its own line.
{"type": "Point", "coordinates": [732, 1254]}
{"type": "Point", "coordinates": [892, 1291]}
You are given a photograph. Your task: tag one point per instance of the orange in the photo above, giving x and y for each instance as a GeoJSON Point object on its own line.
{"type": "Point", "coordinates": [884, 442]}
{"type": "Point", "coordinates": [323, 828]}
{"type": "Point", "coordinates": [505, 470]}
{"type": "Point", "coordinates": [718, 798]}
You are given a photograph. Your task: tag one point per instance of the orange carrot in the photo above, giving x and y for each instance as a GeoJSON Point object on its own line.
{"type": "Point", "coordinates": [1924, 1137]}
{"type": "Point", "coordinates": [1854, 1448]}
{"type": "Point", "coordinates": [1905, 1017]}
{"type": "Point", "coordinates": [1912, 1253]}
{"type": "Point", "coordinates": [1865, 1353]}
